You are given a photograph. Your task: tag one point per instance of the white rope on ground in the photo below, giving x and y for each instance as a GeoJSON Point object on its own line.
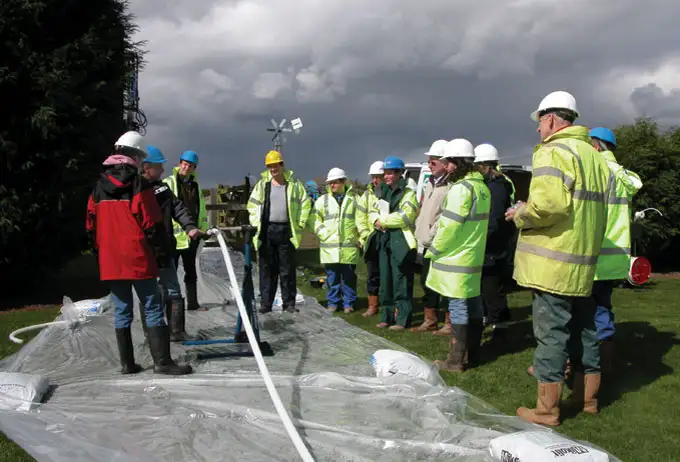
{"type": "Point", "coordinates": [276, 399]}
{"type": "Point", "coordinates": [13, 336]}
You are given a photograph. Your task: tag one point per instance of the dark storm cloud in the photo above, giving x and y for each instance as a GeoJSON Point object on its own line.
{"type": "Point", "coordinates": [390, 77]}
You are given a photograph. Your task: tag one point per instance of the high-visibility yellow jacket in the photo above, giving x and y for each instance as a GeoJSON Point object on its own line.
{"type": "Point", "coordinates": [202, 221]}
{"type": "Point", "coordinates": [457, 251]}
{"type": "Point", "coordinates": [299, 206]}
{"type": "Point", "coordinates": [404, 217]}
{"type": "Point", "coordinates": [614, 260]}
{"type": "Point", "coordinates": [563, 222]}
{"type": "Point", "coordinates": [364, 203]}
{"type": "Point", "coordinates": [335, 226]}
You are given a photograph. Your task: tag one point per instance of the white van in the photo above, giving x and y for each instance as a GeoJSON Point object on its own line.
{"type": "Point", "coordinates": [519, 174]}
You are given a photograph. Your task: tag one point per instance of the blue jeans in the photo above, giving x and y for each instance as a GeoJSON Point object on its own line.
{"type": "Point", "coordinates": [604, 316]}
{"type": "Point", "coordinates": [461, 310]}
{"type": "Point", "coordinates": [342, 279]}
{"type": "Point", "coordinates": [170, 283]}
{"type": "Point", "coordinates": [149, 296]}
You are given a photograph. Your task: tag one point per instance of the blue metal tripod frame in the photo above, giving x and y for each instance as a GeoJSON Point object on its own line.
{"type": "Point", "coordinates": [248, 294]}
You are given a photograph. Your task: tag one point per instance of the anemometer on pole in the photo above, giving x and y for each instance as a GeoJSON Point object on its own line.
{"type": "Point", "coordinates": [280, 128]}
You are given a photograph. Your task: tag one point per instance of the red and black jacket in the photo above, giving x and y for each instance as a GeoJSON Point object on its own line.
{"type": "Point", "coordinates": [125, 222]}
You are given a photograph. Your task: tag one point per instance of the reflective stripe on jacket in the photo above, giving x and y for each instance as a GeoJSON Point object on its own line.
{"type": "Point", "coordinates": [563, 222]}
{"type": "Point", "coordinates": [457, 251]}
{"type": "Point", "coordinates": [614, 260]}
{"type": "Point", "coordinates": [202, 219]}
{"type": "Point", "coordinates": [299, 206]}
{"type": "Point", "coordinates": [335, 226]}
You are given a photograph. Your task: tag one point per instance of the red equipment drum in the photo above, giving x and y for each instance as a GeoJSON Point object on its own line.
{"type": "Point", "coordinates": [640, 271]}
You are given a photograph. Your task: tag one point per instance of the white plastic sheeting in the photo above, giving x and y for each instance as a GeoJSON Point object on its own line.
{"type": "Point", "coordinates": [321, 369]}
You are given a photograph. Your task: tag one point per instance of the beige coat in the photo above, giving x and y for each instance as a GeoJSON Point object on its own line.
{"type": "Point", "coordinates": [430, 210]}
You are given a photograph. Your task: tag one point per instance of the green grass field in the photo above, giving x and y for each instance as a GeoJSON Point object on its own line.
{"type": "Point", "coordinates": [638, 421]}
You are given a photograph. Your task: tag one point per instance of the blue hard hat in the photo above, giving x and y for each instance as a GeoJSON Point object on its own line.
{"type": "Point", "coordinates": [393, 163]}
{"type": "Point", "coordinates": [155, 156]}
{"type": "Point", "coordinates": [189, 156]}
{"type": "Point", "coordinates": [604, 134]}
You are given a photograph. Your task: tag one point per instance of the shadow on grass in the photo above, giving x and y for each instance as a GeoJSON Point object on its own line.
{"type": "Point", "coordinates": [518, 337]}
{"type": "Point", "coordinates": [640, 351]}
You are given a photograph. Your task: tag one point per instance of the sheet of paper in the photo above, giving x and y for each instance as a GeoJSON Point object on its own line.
{"type": "Point", "coordinates": [384, 207]}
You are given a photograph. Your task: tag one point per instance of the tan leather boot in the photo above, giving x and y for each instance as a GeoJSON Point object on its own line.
{"type": "Point", "coordinates": [592, 387]}
{"type": "Point", "coordinates": [429, 323]}
{"type": "Point", "coordinates": [547, 410]}
{"type": "Point", "coordinates": [584, 393]}
{"type": "Point", "coordinates": [446, 328]}
{"type": "Point", "coordinates": [373, 306]}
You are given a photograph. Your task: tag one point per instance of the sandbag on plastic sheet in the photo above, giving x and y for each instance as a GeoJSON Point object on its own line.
{"type": "Point", "coordinates": [542, 446]}
{"type": "Point", "coordinates": [21, 392]}
{"type": "Point", "coordinates": [388, 363]}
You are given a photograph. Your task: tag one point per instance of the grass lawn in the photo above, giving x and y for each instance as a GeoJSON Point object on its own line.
{"type": "Point", "coordinates": [638, 421]}
{"type": "Point", "coordinates": [639, 406]}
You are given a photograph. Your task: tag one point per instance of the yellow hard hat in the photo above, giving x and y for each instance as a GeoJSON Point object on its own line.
{"type": "Point", "coordinates": [273, 157]}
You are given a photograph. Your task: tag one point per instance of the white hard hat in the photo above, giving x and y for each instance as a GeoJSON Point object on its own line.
{"type": "Point", "coordinates": [486, 153]}
{"type": "Point", "coordinates": [459, 148]}
{"type": "Point", "coordinates": [376, 168]}
{"type": "Point", "coordinates": [556, 100]}
{"type": "Point", "coordinates": [437, 148]}
{"type": "Point", "coordinates": [335, 174]}
{"type": "Point", "coordinates": [132, 140]}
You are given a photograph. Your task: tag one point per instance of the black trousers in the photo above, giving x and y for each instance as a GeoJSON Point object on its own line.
{"type": "Point", "coordinates": [373, 276]}
{"type": "Point", "coordinates": [431, 299]}
{"type": "Point", "coordinates": [276, 259]}
{"type": "Point", "coordinates": [188, 256]}
{"type": "Point", "coordinates": [494, 295]}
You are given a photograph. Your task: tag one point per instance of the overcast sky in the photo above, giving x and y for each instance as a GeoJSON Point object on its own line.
{"type": "Point", "coordinates": [373, 78]}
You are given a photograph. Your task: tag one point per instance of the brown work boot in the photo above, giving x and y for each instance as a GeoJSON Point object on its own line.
{"type": "Point", "coordinates": [446, 328]}
{"type": "Point", "coordinates": [373, 306]}
{"type": "Point", "coordinates": [458, 348]}
{"type": "Point", "coordinates": [429, 323]}
{"type": "Point", "coordinates": [592, 387]}
{"type": "Point", "coordinates": [584, 393]}
{"type": "Point", "coordinates": [547, 410]}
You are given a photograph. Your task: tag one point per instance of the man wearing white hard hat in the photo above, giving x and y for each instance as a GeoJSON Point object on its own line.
{"type": "Point", "coordinates": [339, 246]}
{"type": "Point", "coordinates": [562, 226]}
{"type": "Point", "coordinates": [498, 242]}
{"type": "Point", "coordinates": [434, 192]}
{"type": "Point", "coordinates": [125, 224]}
{"type": "Point", "coordinates": [364, 203]}
{"type": "Point", "coordinates": [457, 255]}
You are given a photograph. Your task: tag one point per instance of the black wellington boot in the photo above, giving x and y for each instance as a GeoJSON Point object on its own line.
{"type": "Point", "coordinates": [159, 345]}
{"type": "Point", "coordinates": [176, 320]}
{"type": "Point", "coordinates": [192, 296]}
{"type": "Point", "coordinates": [126, 351]}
